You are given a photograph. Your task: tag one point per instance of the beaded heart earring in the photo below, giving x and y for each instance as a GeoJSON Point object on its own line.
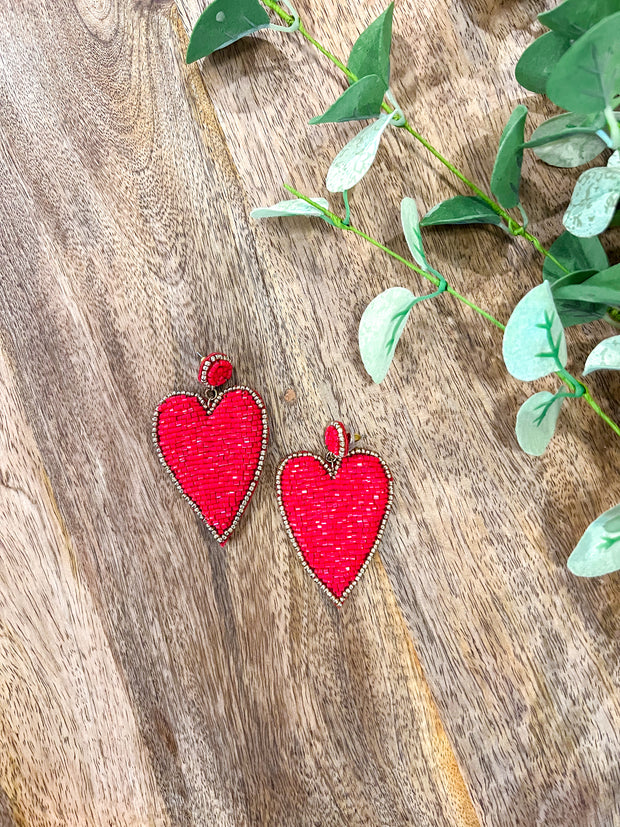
{"type": "Point", "coordinates": [335, 510]}
{"type": "Point", "coordinates": [213, 448]}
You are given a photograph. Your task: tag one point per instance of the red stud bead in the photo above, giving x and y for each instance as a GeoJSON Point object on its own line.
{"type": "Point", "coordinates": [336, 439]}
{"type": "Point", "coordinates": [215, 369]}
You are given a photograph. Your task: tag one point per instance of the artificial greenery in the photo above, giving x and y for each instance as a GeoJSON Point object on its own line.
{"type": "Point", "coordinates": [577, 65]}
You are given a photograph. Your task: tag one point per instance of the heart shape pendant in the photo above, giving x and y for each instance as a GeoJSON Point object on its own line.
{"type": "Point", "coordinates": [335, 510]}
{"type": "Point", "coordinates": [213, 448]}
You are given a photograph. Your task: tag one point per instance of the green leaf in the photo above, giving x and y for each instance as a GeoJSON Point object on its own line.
{"type": "Point", "coordinates": [598, 551]}
{"type": "Point", "coordinates": [573, 18]}
{"type": "Point", "coordinates": [605, 356]}
{"type": "Point", "coordinates": [411, 227]}
{"type": "Point", "coordinates": [506, 175]}
{"type": "Point", "coordinates": [223, 22]}
{"type": "Point", "coordinates": [587, 76]}
{"type": "Point", "coordinates": [575, 254]}
{"type": "Point", "coordinates": [536, 422]}
{"type": "Point", "coordinates": [593, 202]}
{"type": "Point", "coordinates": [538, 60]}
{"type": "Point", "coordinates": [462, 209]}
{"type": "Point", "coordinates": [296, 206]}
{"type": "Point", "coordinates": [370, 54]}
{"type": "Point", "coordinates": [355, 159]}
{"type": "Point", "coordinates": [600, 287]}
{"type": "Point", "coordinates": [570, 123]}
{"type": "Point", "coordinates": [576, 311]}
{"type": "Point", "coordinates": [360, 101]}
{"type": "Point", "coordinates": [534, 343]}
{"type": "Point", "coordinates": [381, 327]}
{"type": "Point", "coordinates": [561, 142]}
{"type": "Point", "coordinates": [582, 257]}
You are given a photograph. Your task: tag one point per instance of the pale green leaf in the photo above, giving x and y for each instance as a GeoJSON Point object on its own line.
{"type": "Point", "coordinates": [223, 22]}
{"type": "Point", "coordinates": [506, 175]}
{"type": "Point", "coordinates": [355, 159]}
{"type": "Point", "coordinates": [370, 54]}
{"type": "Point", "coordinates": [536, 422]}
{"type": "Point", "coordinates": [360, 101]}
{"type": "Point", "coordinates": [296, 206]}
{"type": "Point", "coordinates": [560, 141]}
{"type": "Point", "coordinates": [534, 343]}
{"type": "Point", "coordinates": [381, 327]}
{"type": "Point", "coordinates": [598, 551]}
{"type": "Point", "coordinates": [605, 356]}
{"type": "Point", "coordinates": [462, 209]}
{"type": "Point", "coordinates": [587, 77]}
{"type": "Point", "coordinates": [567, 124]}
{"type": "Point", "coordinates": [593, 202]}
{"type": "Point", "coordinates": [411, 227]}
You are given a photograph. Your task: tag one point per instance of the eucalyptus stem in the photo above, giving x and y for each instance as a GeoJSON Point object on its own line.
{"type": "Point", "coordinates": [614, 427]}
{"type": "Point", "coordinates": [514, 227]}
{"type": "Point", "coordinates": [336, 221]}
{"type": "Point", "coordinates": [288, 18]}
{"type": "Point", "coordinates": [340, 224]}
{"type": "Point", "coordinates": [614, 129]}
{"type": "Point", "coordinates": [303, 31]}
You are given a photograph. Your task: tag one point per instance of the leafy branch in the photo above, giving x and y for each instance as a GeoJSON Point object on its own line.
{"type": "Point", "coordinates": [512, 225]}
{"type": "Point", "coordinates": [339, 223]}
{"type": "Point", "coordinates": [576, 388]}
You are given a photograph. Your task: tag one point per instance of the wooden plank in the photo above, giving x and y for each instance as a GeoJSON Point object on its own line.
{"type": "Point", "coordinates": [152, 677]}
{"type": "Point", "coordinates": [70, 742]}
{"type": "Point", "coordinates": [521, 656]}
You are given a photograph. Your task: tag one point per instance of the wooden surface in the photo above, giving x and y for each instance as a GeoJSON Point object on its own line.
{"type": "Point", "coordinates": [147, 676]}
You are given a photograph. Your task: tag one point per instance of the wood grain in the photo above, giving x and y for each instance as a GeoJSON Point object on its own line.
{"type": "Point", "coordinates": [147, 676]}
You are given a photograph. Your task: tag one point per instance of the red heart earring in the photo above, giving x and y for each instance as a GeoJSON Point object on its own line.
{"type": "Point", "coordinates": [335, 510]}
{"type": "Point", "coordinates": [214, 448]}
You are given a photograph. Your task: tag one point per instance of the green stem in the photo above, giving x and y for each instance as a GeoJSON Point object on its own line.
{"type": "Point", "coordinates": [456, 171]}
{"type": "Point", "coordinates": [336, 221]}
{"type": "Point", "coordinates": [288, 18]}
{"type": "Point", "coordinates": [543, 251]}
{"type": "Point", "coordinates": [283, 15]}
{"type": "Point", "coordinates": [577, 389]}
{"type": "Point", "coordinates": [614, 129]}
{"type": "Point", "coordinates": [601, 413]}
{"type": "Point", "coordinates": [328, 54]}
{"type": "Point", "coordinates": [428, 276]}
{"type": "Point", "coordinates": [514, 227]}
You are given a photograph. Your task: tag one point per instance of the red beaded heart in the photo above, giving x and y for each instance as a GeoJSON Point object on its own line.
{"type": "Point", "coordinates": [214, 449]}
{"type": "Point", "coordinates": [335, 511]}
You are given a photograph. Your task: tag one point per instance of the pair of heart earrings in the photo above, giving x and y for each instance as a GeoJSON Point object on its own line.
{"type": "Point", "coordinates": [334, 508]}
